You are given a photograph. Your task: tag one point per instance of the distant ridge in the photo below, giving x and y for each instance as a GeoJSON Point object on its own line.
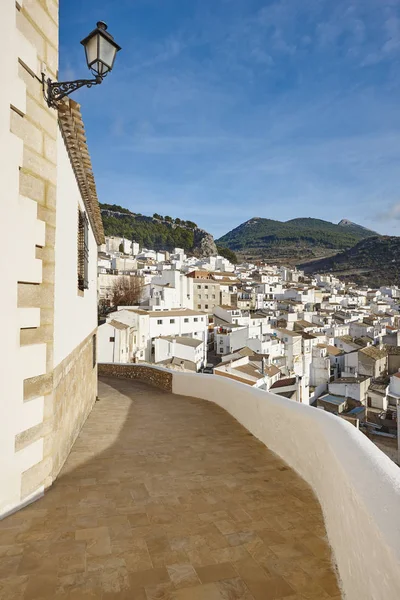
{"type": "Point", "coordinates": [305, 237]}
{"type": "Point", "coordinates": [374, 261]}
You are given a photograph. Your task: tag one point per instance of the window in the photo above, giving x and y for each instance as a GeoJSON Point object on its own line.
{"type": "Point", "coordinates": [206, 287]}
{"type": "Point", "coordinates": [205, 306]}
{"type": "Point", "coordinates": [206, 296]}
{"type": "Point", "coordinates": [195, 319]}
{"type": "Point", "coordinates": [172, 320]}
{"type": "Point", "coordinates": [198, 306]}
{"type": "Point", "coordinates": [199, 296]}
{"type": "Point", "coordinates": [112, 339]}
{"type": "Point", "coordinates": [159, 321]}
{"type": "Point", "coordinates": [83, 251]}
{"type": "Point", "coordinates": [186, 320]}
{"type": "Point", "coordinates": [213, 296]}
{"type": "Point", "coordinates": [94, 342]}
{"type": "Point", "coordinates": [199, 287]}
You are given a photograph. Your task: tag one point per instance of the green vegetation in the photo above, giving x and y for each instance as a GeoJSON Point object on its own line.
{"type": "Point", "coordinates": [374, 262]}
{"type": "Point", "coordinates": [297, 237]}
{"type": "Point", "coordinates": [228, 254]}
{"type": "Point", "coordinates": [157, 232]}
{"type": "Point", "coordinates": [116, 208]}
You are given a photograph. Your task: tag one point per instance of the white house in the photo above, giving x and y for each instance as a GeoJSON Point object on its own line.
{"type": "Point", "coordinates": [169, 290]}
{"type": "Point", "coordinates": [183, 351]}
{"type": "Point", "coordinates": [113, 340]}
{"type": "Point", "coordinates": [320, 368]}
{"type": "Point", "coordinates": [351, 387]}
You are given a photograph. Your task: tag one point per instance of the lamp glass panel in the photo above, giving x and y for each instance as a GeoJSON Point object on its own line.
{"type": "Point", "coordinates": [107, 52]}
{"type": "Point", "coordinates": [91, 49]}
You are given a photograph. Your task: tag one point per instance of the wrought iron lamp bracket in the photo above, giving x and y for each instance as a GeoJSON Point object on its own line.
{"type": "Point", "coordinates": [54, 91]}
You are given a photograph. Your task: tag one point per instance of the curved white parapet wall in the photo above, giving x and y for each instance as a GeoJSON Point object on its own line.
{"type": "Point", "coordinates": [357, 486]}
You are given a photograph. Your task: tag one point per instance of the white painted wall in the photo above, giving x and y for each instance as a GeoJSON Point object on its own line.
{"type": "Point", "coordinates": [357, 485]}
{"type": "Point", "coordinates": [20, 231]}
{"type": "Point", "coordinates": [79, 312]}
{"type": "Point", "coordinates": [166, 349]}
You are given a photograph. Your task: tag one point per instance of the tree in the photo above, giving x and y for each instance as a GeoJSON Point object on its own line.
{"type": "Point", "coordinates": [191, 225]}
{"type": "Point", "coordinates": [178, 221]}
{"type": "Point", "coordinates": [168, 219]}
{"type": "Point", "coordinates": [127, 290]}
{"type": "Point", "coordinates": [227, 253]}
{"type": "Point", "coordinates": [157, 216]}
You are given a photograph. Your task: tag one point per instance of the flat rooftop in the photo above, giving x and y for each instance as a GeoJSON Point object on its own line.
{"type": "Point", "coordinates": [170, 498]}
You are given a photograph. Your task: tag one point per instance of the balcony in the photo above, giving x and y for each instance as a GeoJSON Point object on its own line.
{"type": "Point", "coordinates": [165, 496]}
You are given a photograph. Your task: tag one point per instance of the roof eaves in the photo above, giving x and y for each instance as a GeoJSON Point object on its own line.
{"type": "Point", "coordinates": [73, 132]}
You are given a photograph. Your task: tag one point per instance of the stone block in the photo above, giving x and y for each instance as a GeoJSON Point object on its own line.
{"type": "Point", "coordinates": [50, 149]}
{"type": "Point", "coordinates": [50, 235]}
{"type": "Point", "coordinates": [51, 195]}
{"type": "Point", "coordinates": [36, 335]}
{"type": "Point", "coordinates": [36, 476]}
{"type": "Point", "coordinates": [38, 165]}
{"type": "Point", "coordinates": [41, 19]}
{"type": "Point", "coordinates": [26, 131]}
{"type": "Point", "coordinates": [31, 186]}
{"type": "Point", "coordinates": [35, 295]}
{"type": "Point", "coordinates": [44, 117]}
{"type": "Point", "coordinates": [48, 272]}
{"type": "Point", "coordinates": [52, 8]}
{"type": "Point", "coordinates": [42, 385]}
{"type": "Point", "coordinates": [48, 215]}
{"type": "Point", "coordinates": [26, 27]}
{"type": "Point", "coordinates": [51, 61]}
{"type": "Point", "coordinates": [41, 430]}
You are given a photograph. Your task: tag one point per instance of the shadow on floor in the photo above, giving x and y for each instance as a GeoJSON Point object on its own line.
{"type": "Point", "coordinates": [165, 497]}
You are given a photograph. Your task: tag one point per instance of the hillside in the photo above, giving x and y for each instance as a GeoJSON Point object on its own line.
{"type": "Point", "coordinates": [156, 232]}
{"type": "Point", "coordinates": [374, 262]}
{"type": "Point", "coordinates": [302, 238]}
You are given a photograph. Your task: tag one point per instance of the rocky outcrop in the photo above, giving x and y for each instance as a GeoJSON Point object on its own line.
{"type": "Point", "coordinates": [204, 244]}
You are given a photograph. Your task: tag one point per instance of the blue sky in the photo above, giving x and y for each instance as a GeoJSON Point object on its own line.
{"type": "Point", "coordinates": [221, 110]}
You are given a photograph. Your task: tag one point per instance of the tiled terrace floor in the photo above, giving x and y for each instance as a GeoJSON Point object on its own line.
{"type": "Point", "coordinates": [167, 498]}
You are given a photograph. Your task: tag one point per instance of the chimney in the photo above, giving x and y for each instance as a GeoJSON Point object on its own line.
{"type": "Point", "coordinates": [263, 365]}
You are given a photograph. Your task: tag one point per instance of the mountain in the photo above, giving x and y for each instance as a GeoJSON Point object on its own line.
{"type": "Point", "coordinates": [300, 238]}
{"type": "Point", "coordinates": [157, 232]}
{"type": "Point", "coordinates": [374, 261]}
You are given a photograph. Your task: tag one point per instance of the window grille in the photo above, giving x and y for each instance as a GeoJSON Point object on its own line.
{"type": "Point", "coordinates": [83, 251]}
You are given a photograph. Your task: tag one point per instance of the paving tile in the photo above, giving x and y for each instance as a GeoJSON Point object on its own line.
{"type": "Point", "coordinates": [209, 591]}
{"type": "Point", "coordinates": [13, 588]}
{"type": "Point", "coordinates": [183, 575]}
{"type": "Point", "coordinates": [234, 589]}
{"type": "Point", "coordinates": [149, 577]}
{"type": "Point", "coordinates": [216, 572]}
{"type": "Point", "coordinates": [161, 491]}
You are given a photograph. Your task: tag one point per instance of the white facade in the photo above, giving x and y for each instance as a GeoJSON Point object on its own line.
{"type": "Point", "coordinates": [181, 348]}
{"type": "Point", "coordinates": [169, 290]}
{"type": "Point", "coordinates": [320, 367]}
{"type": "Point", "coordinates": [348, 387]}
{"type": "Point", "coordinates": [78, 310]}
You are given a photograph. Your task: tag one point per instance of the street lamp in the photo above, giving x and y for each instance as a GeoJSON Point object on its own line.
{"type": "Point", "coordinates": [100, 50]}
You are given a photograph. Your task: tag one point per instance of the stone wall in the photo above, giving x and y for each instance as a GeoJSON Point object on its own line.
{"type": "Point", "coordinates": [74, 394]}
{"type": "Point", "coordinates": [157, 377]}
